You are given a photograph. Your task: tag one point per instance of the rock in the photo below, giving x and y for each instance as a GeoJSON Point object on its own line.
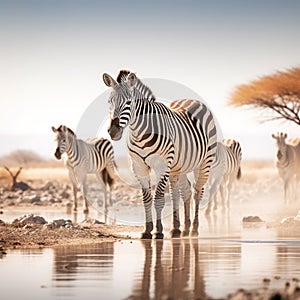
{"type": "Point", "coordinates": [252, 219]}
{"type": "Point", "coordinates": [48, 186]}
{"type": "Point", "coordinates": [2, 252]}
{"type": "Point", "coordinates": [65, 195]}
{"type": "Point", "coordinates": [29, 219]}
{"type": "Point", "coordinates": [31, 199]}
{"type": "Point", "coordinates": [27, 226]}
{"type": "Point", "coordinates": [23, 186]}
{"type": "Point", "coordinates": [60, 223]}
{"type": "Point", "coordinates": [91, 222]}
{"type": "Point", "coordinates": [291, 221]}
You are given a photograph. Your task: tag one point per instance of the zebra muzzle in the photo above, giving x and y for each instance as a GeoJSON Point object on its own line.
{"type": "Point", "coordinates": [279, 154]}
{"type": "Point", "coordinates": [115, 130]}
{"type": "Point", "coordinates": [57, 154]}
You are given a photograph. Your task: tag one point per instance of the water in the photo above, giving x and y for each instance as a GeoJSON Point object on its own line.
{"type": "Point", "coordinates": [169, 269]}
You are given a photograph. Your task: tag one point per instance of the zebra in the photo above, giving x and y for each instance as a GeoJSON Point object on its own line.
{"type": "Point", "coordinates": [171, 141]}
{"type": "Point", "coordinates": [228, 169]}
{"type": "Point", "coordinates": [287, 162]}
{"type": "Point", "coordinates": [94, 156]}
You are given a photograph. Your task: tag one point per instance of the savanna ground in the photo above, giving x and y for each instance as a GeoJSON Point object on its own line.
{"type": "Point", "coordinates": [49, 221]}
{"type": "Point", "coordinates": [258, 193]}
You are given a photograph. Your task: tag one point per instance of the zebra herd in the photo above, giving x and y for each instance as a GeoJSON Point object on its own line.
{"type": "Point", "coordinates": [170, 141]}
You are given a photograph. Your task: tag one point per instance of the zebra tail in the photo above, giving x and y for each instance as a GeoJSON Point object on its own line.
{"type": "Point", "coordinates": [239, 173]}
{"type": "Point", "coordinates": [107, 179]}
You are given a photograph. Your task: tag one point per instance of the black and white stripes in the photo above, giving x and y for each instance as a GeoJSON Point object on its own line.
{"type": "Point", "coordinates": [172, 141]}
{"type": "Point", "coordinates": [82, 158]}
{"type": "Point", "coordinates": [225, 170]}
{"type": "Point", "coordinates": [288, 163]}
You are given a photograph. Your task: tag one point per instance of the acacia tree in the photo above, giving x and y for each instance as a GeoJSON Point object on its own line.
{"type": "Point", "coordinates": [278, 92]}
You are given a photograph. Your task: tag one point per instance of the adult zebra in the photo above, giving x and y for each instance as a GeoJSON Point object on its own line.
{"type": "Point", "coordinates": [94, 156]}
{"type": "Point", "coordinates": [227, 168]}
{"type": "Point", "coordinates": [288, 163]}
{"type": "Point", "coordinates": [171, 141]}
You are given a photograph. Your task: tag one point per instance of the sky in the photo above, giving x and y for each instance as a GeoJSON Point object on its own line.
{"type": "Point", "coordinates": [53, 55]}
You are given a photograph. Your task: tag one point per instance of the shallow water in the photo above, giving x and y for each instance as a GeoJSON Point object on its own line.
{"type": "Point", "coordinates": [227, 256]}
{"type": "Point", "coordinates": [178, 269]}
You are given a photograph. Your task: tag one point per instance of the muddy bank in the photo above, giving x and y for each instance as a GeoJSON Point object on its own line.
{"type": "Point", "coordinates": [31, 231]}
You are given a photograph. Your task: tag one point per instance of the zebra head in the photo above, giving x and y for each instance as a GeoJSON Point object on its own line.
{"type": "Point", "coordinates": [120, 103]}
{"type": "Point", "coordinates": [280, 138]}
{"type": "Point", "coordinates": [63, 136]}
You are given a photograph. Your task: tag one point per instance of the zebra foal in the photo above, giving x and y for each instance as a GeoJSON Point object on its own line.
{"type": "Point", "coordinates": [94, 156]}
{"type": "Point", "coordinates": [172, 141]}
{"type": "Point", "coordinates": [287, 162]}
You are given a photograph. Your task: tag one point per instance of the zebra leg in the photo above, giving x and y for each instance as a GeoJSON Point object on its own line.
{"type": "Point", "coordinates": [103, 187]}
{"type": "Point", "coordinates": [229, 187]}
{"type": "Point", "coordinates": [74, 187]}
{"type": "Point", "coordinates": [223, 188]}
{"type": "Point", "coordinates": [159, 203]}
{"type": "Point", "coordinates": [141, 171]}
{"type": "Point", "coordinates": [201, 176]}
{"type": "Point", "coordinates": [175, 196]}
{"type": "Point", "coordinates": [286, 187]}
{"type": "Point", "coordinates": [185, 193]}
{"type": "Point", "coordinates": [212, 202]}
{"type": "Point", "coordinates": [111, 172]}
{"type": "Point", "coordinates": [84, 194]}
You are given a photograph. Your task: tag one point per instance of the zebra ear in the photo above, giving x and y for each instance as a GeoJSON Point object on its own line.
{"type": "Point", "coordinates": [273, 136]}
{"type": "Point", "coordinates": [285, 136]}
{"type": "Point", "coordinates": [131, 79]}
{"type": "Point", "coordinates": [108, 80]}
{"type": "Point", "coordinates": [54, 129]}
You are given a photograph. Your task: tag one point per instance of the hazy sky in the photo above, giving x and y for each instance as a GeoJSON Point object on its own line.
{"type": "Point", "coordinates": [53, 54]}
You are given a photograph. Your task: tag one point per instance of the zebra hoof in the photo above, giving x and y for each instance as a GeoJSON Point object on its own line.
{"type": "Point", "coordinates": [86, 211]}
{"type": "Point", "coordinates": [185, 233]}
{"type": "Point", "coordinates": [175, 233]}
{"type": "Point", "coordinates": [207, 213]}
{"type": "Point", "coordinates": [194, 233]}
{"type": "Point", "coordinates": [159, 236]}
{"type": "Point", "coordinates": [146, 236]}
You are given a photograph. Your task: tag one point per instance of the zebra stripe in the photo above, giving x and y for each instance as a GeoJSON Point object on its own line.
{"type": "Point", "coordinates": [172, 141]}
{"type": "Point", "coordinates": [85, 157]}
{"type": "Point", "coordinates": [225, 170]}
{"type": "Point", "coordinates": [288, 163]}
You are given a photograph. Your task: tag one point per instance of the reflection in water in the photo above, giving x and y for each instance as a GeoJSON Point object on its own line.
{"type": "Point", "coordinates": [76, 266]}
{"type": "Point", "coordinates": [175, 270]}
{"type": "Point", "coordinates": [156, 269]}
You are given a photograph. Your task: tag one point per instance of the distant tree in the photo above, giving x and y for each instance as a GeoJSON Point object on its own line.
{"type": "Point", "coordinates": [21, 157]}
{"type": "Point", "coordinates": [17, 184]}
{"type": "Point", "coordinates": [278, 92]}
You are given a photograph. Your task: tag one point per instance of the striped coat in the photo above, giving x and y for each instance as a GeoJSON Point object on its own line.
{"type": "Point", "coordinates": [172, 141]}
{"type": "Point", "coordinates": [95, 156]}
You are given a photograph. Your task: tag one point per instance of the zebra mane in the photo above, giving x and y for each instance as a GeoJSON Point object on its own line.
{"type": "Point", "coordinates": [122, 75]}
{"type": "Point", "coordinates": [144, 90]}
{"type": "Point", "coordinates": [65, 129]}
